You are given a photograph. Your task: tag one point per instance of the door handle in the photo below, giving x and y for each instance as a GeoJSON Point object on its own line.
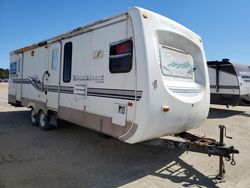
{"type": "Point", "coordinates": [45, 73]}
{"type": "Point", "coordinates": [48, 74]}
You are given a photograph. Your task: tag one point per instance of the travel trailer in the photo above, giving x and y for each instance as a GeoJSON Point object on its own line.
{"type": "Point", "coordinates": [229, 83]}
{"type": "Point", "coordinates": [135, 76]}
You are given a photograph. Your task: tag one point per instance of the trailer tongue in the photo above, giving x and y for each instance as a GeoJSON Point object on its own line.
{"type": "Point", "coordinates": [203, 145]}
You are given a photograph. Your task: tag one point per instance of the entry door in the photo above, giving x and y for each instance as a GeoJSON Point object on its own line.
{"type": "Point", "coordinates": [52, 77]}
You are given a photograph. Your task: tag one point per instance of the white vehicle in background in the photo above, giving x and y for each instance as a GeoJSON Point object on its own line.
{"type": "Point", "coordinates": [135, 76]}
{"type": "Point", "coordinates": [229, 83]}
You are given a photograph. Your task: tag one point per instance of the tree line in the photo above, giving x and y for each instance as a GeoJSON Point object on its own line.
{"type": "Point", "coordinates": [4, 73]}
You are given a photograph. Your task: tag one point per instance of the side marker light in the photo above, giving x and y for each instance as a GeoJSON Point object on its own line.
{"type": "Point", "coordinates": [165, 108]}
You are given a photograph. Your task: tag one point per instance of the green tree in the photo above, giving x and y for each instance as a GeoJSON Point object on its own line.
{"type": "Point", "coordinates": [4, 73]}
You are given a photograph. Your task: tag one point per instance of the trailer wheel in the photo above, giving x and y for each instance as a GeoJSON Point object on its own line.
{"type": "Point", "coordinates": [43, 121]}
{"type": "Point", "coordinates": [33, 117]}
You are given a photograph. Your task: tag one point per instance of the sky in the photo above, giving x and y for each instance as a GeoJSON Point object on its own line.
{"type": "Point", "coordinates": [224, 25]}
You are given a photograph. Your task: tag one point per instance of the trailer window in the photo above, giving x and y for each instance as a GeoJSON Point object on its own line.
{"type": "Point", "coordinates": [67, 62]}
{"type": "Point", "coordinates": [176, 63]}
{"type": "Point", "coordinates": [18, 64]}
{"type": "Point", "coordinates": [54, 59]}
{"type": "Point", "coordinates": [13, 68]}
{"type": "Point", "coordinates": [120, 57]}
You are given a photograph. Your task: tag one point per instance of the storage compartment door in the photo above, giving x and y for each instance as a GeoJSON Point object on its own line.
{"type": "Point", "coordinates": [119, 115]}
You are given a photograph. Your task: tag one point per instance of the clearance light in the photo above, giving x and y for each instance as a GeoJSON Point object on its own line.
{"type": "Point", "coordinates": [165, 108]}
{"type": "Point", "coordinates": [145, 16]}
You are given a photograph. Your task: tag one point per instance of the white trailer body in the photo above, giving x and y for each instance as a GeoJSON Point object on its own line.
{"type": "Point", "coordinates": [136, 76]}
{"type": "Point", "coordinates": [229, 83]}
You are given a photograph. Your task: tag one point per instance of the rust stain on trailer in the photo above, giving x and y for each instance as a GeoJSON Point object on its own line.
{"type": "Point", "coordinates": [31, 47]}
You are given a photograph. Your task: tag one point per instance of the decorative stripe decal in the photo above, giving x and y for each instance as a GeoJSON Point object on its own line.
{"type": "Point", "coordinates": [128, 97]}
{"type": "Point", "coordinates": [114, 93]}
{"type": "Point", "coordinates": [225, 87]}
{"type": "Point", "coordinates": [94, 92]}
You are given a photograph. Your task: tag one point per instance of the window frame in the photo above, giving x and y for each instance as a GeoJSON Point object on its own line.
{"type": "Point", "coordinates": [122, 55]}
{"type": "Point", "coordinates": [161, 48]}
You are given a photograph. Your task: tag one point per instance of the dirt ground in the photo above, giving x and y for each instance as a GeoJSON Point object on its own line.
{"type": "Point", "coordinates": [72, 156]}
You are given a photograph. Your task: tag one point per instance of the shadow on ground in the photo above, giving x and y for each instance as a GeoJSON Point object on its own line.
{"type": "Point", "coordinates": [72, 156]}
{"type": "Point", "coordinates": [244, 114]}
{"type": "Point", "coordinates": [216, 113]}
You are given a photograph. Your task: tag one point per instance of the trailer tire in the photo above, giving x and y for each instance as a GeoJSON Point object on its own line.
{"type": "Point", "coordinates": [43, 121]}
{"type": "Point", "coordinates": [33, 117]}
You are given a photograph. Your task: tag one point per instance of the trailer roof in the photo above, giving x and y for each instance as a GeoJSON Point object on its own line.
{"type": "Point", "coordinates": [225, 62]}
{"type": "Point", "coordinates": [238, 67]}
{"type": "Point", "coordinates": [221, 63]}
